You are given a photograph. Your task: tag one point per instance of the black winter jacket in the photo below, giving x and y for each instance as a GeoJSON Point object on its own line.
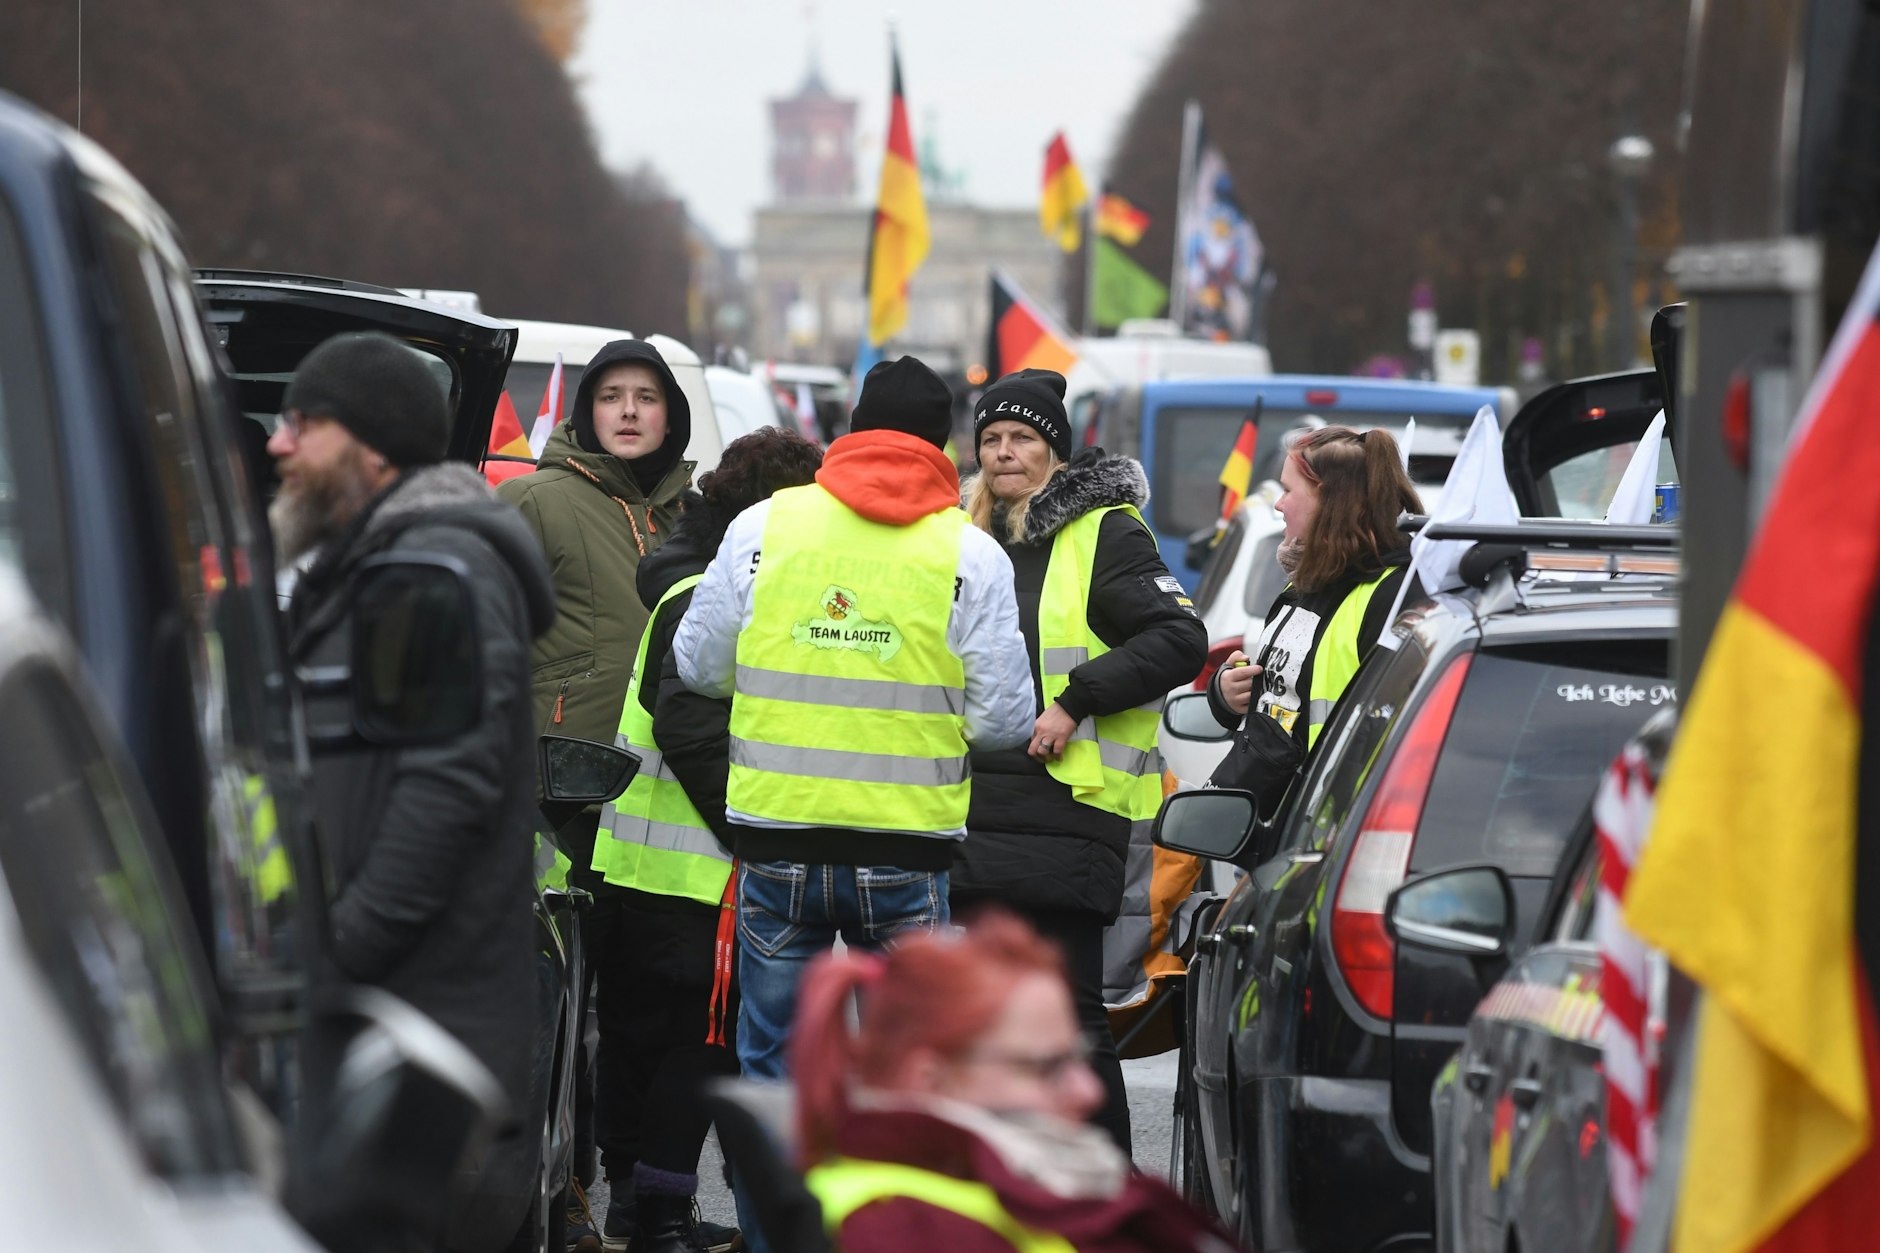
{"type": "Point", "coordinates": [1314, 610]}
{"type": "Point", "coordinates": [1028, 841]}
{"type": "Point", "coordinates": [429, 848]}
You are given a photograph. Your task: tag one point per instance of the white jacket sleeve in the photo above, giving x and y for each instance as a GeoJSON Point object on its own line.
{"type": "Point", "coordinates": [984, 634]}
{"type": "Point", "coordinates": [706, 644]}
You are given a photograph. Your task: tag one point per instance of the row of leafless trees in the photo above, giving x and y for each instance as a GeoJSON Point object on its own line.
{"type": "Point", "coordinates": [1378, 145]}
{"type": "Point", "coordinates": [432, 143]}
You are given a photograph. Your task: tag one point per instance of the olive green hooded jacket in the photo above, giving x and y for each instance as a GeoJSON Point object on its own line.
{"type": "Point", "coordinates": [595, 524]}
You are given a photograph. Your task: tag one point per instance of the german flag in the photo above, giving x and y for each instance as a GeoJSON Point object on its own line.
{"type": "Point", "coordinates": [1237, 472]}
{"type": "Point", "coordinates": [1023, 336]}
{"type": "Point", "coordinates": [1061, 210]}
{"type": "Point", "coordinates": [1120, 220]}
{"type": "Point", "coordinates": [506, 438]}
{"type": "Point", "coordinates": [899, 238]}
{"type": "Point", "coordinates": [1750, 877]}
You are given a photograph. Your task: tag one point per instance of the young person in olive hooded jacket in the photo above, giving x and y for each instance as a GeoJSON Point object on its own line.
{"type": "Point", "coordinates": [1041, 841]}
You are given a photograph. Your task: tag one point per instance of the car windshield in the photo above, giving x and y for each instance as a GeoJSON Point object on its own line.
{"type": "Point", "coordinates": [1524, 752]}
{"type": "Point", "coordinates": [1192, 443]}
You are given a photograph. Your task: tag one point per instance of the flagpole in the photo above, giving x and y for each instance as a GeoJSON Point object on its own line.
{"type": "Point", "coordinates": [1178, 290]}
{"type": "Point", "coordinates": [1090, 264]}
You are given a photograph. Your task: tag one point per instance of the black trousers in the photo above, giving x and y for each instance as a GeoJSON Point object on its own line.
{"type": "Point", "coordinates": [1079, 933]}
{"type": "Point", "coordinates": [653, 973]}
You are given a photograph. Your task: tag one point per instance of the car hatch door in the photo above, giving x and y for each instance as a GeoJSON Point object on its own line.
{"type": "Point", "coordinates": [1566, 448]}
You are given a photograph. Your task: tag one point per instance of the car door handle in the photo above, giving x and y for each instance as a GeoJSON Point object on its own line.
{"type": "Point", "coordinates": [1525, 1093]}
{"type": "Point", "coordinates": [1476, 1076]}
{"type": "Point", "coordinates": [1306, 859]}
{"type": "Point", "coordinates": [1235, 931]}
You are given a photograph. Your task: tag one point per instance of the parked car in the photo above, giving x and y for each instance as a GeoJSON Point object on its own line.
{"type": "Point", "coordinates": [1182, 431]}
{"type": "Point", "coordinates": [746, 403]}
{"type": "Point", "coordinates": [1146, 350]}
{"type": "Point", "coordinates": [1518, 1155]}
{"type": "Point", "coordinates": [1315, 1036]}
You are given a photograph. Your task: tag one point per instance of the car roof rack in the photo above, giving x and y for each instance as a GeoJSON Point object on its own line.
{"type": "Point", "coordinates": [1558, 547]}
{"type": "Point", "coordinates": [221, 275]}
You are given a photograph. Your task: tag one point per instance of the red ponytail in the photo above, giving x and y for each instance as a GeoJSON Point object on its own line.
{"type": "Point", "coordinates": [938, 992]}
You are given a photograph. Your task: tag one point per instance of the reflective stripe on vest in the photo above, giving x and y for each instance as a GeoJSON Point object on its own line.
{"type": "Point", "coordinates": [652, 838]}
{"type": "Point", "coordinates": [846, 1184]}
{"type": "Point", "coordinates": [1111, 762]}
{"type": "Point", "coordinates": [1336, 659]}
{"type": "Point", "coordinates": [851, 708]}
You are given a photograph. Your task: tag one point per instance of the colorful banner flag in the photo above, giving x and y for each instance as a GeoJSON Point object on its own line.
{"type": "Point", "coordinates": [1061, 211]}
{"type": "Point", "coordinates": [1749, 880]}
{"type": "Point", "coordinates": [1120, 289]}
{"type": "Point", "coordinates": [1120, 220]}
{"type": "Point", "coordinates": [1237, 472]}
{"type": "Point", "coordinates": [507, 439]}
{"type": "Point", "coordinates": [550, 412]}
{"type": "Point", "coordinates": [899, 239]}
{"type": "Point", "coordinates": [1219, 256]}
{"type": "Point", "coordinates": [1023, 336]}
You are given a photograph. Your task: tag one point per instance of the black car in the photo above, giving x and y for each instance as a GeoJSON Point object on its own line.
{"type": "Point", "coordinates": [1520, 1111]}
{"type": "Point", "coordinates": [131, 494]}
{"type": "Point", "coordinates": [1315, 1035]}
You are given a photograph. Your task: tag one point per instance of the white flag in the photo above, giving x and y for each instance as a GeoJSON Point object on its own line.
{"type": "Point", "coordinates": [1632, 504]}
{"type": "Point", "coordinates": [1409, 438]}
{"type": "Point", "coordinates": [1476, 491]}
{"type": "Point", "coordinates": [550, 414]}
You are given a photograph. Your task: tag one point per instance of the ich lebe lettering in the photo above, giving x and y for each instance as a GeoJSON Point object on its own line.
{"type": "Point", "coordinates": [1624, 695]}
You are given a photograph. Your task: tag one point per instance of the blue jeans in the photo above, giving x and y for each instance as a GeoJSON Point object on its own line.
{"type": "Point", "coordinates": [790, 913]}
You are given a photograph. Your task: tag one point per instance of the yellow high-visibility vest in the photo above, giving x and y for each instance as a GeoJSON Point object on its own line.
{"type": "Point", "coordinates": [1336, 660]}
{"type": "Point", "coordinates": [845, 1184]}
{"type": "Point", "coordinates": [651, 837]}
{"type": "Point", "coordinates": [850, 706]}
{"type": "Point", "coordinates": [1110, 762]}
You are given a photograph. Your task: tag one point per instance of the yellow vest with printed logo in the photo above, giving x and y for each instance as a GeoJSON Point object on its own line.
{"type": "Point", "coordinates": [845, 1184]}
{"type": "Point", "coordinates": [1110, 762]}
{"type": "Point", "coordinates": [851, 707]}
{"type": "Point", "coordinates": [651, 837]}
{"type": "Point", "coordinates": [1336, 660]}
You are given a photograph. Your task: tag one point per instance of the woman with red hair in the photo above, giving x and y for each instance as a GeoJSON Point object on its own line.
{"type": "Point", "coordinates": [952, 1117]}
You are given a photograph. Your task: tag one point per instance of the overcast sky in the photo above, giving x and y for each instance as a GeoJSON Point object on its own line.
{"type": "Point", "coordinates": [685, 84]}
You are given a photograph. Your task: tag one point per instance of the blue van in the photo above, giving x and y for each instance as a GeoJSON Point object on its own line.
{"type": "Point", "coordinates": [1182, 432]}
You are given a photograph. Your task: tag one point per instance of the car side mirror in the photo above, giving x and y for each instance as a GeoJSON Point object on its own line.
{"type": "Point", "coordinates": [1467, 910]}
{"type": "Point", "coordinates": [1210, 822]}
{"type": "Point", "coordinates": [416, 665]}
{"type": "Point", "coordinates": [1188, 717]}
{"type": "Point", "coordinates": [576, 771]}
{"type": "Point", "coordinates": [395, 1105]}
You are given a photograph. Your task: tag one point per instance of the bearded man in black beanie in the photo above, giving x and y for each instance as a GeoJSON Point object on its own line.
{"type": "Point", "coordinates": [428, 846]}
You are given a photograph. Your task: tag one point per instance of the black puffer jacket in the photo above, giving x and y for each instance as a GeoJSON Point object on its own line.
{"type": "Point", "coordinates": [1028, 841]}
{"type": "Point", "coordinates": [429, 848]}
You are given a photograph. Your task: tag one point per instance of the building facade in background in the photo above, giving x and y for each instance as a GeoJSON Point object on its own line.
{"type": "Point", "coordinates": [809, 245]}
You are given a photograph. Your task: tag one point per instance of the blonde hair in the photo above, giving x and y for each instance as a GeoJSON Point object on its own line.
{"type": "Point", "coordinates": [980, 503]}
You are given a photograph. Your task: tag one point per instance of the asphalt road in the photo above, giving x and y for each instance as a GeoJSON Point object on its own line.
{"type": "Point", "coordinates": [1151, 1084]}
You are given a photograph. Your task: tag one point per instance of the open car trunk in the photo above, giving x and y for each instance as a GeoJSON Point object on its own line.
{"type": "Point", "coordinates": [1567, 447]}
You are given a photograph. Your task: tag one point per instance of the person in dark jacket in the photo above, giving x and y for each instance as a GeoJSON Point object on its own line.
{"type": "Point", "coordinates": [1115, 632]}
{"type": "Point", "coordinates": [662, 985]}
{"type": "Point", "coordinates": [1341, 495]}
{"type": "Point", "coordinates": [428, 847]}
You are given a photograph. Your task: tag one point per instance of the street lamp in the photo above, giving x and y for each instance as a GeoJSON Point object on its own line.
{"type": "Point", "coordinates": [1629, 159]}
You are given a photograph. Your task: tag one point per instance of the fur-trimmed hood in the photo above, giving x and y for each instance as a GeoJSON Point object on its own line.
{"type": "Point", "coordinates": [1090, 480]}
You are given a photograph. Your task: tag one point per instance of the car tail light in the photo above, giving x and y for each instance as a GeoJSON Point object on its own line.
{"type": "Point", "coordinates": [1319, 396]}
{"type": "Point", "coordinates": [1218, 653]}
{"type": "Point", "coordinates": [1363, 949]}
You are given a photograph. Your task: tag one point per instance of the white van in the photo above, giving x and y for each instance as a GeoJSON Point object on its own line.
{"type": "Point", "coordinates": [1146, 350]}
{"type": "Point", "coordinates": [538, 342]}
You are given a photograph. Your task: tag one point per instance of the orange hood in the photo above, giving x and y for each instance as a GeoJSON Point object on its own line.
{"type": "Point", "coordinates": [890, 476]}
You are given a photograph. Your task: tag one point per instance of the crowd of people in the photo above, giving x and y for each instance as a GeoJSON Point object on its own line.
{"type": "Point", "coordinates": [868, 700]}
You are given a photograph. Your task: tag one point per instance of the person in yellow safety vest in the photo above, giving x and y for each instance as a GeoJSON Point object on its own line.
{"type": "Point", "coordinates": [952, 1117]}
{"type": "Point", "coordinates": [1108, 632]}
{"type": "Point", "coordinates": [663, 848]}
{"type": "Point", "coordinates": [1341, 495]}
{"type": "Point", "coordinates": [867, 635]}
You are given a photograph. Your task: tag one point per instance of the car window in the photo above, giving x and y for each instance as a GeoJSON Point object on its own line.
{"type": "Point", "coordinates": [1192, 443]}
{"type": "Point", "coordinates": [1350, 745]}
{"type": "Point", "coordinates": [99, 916]}
{"type": "Point", "coordinates": [32, 534]}
{"type": "Point", "coordinates": [1528, 744]}
{"type": "Point", "coordinates": [1220, 564]}
{"type": "Point", "coordinates": [1265, 577]}
{"type": "Point", "coordinates": [527, 385]}
{"type": "Point", "coordinates": [1584, 485]}
{"type": "Point", "coordinates": [1578, 907]}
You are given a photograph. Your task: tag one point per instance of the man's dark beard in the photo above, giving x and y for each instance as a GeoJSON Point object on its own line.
{"type": "Point", "coordinates": [319, 506]}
